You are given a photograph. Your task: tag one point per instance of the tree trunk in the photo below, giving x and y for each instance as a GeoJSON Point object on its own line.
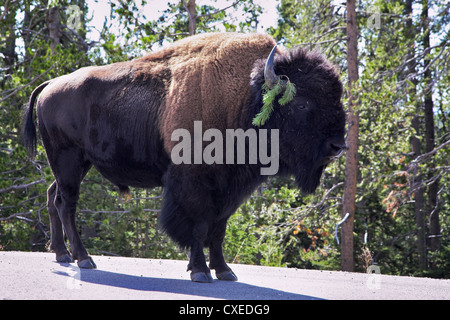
{"type": "Point", "coordinates": [351, 160]}
{"type": "Point", "coordinates": [434, 225]}
{"type": "Point", "coordinates": [190, 6]}
{"type": "Point", "coordinates": [416, 147]}
{"type": "Point", "coordinates": [8, 17]}
{"type": "Point", "coordinates": [26, 36]}
{"type": "Point", "coordinates": [419, 199]}
{"type": "Point", "coordinates": [53, 27]}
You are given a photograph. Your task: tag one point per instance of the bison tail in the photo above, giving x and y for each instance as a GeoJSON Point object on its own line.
{"type": "Point", "coordinates": [29, 128]}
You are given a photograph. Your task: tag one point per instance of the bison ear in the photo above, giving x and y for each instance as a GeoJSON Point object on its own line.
{"type": "Point", "coordinates": [270, 77]}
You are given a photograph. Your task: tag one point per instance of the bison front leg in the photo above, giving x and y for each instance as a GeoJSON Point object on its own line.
{"type": "Point", "coordinates": [197, 262]}
{"type": "Point", "coordinates": [184, 222]}
{"type": "Point", "coordinates": [217, 261]}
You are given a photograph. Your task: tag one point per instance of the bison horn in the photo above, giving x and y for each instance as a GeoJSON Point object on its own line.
{"type": "Point", "coordinates": [269, 73]}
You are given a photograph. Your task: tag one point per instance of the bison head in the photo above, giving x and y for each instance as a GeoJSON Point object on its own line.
{"type": "Point", "coordinates": [312, 125]}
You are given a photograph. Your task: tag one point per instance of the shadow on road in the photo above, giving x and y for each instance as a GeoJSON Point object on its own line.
{"type": "Point", "coordinates": [217, 289]}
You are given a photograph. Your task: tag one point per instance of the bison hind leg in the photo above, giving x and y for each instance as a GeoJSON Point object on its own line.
{"type": "Point", "coordinates": [57, 243]}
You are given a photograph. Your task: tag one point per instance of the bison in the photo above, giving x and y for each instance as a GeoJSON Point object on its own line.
{"type": "Point", "coordinates": [120, 118]}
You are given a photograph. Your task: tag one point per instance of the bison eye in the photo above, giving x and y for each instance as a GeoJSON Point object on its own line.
{"type": "Point", "coordinates": [304, 103]}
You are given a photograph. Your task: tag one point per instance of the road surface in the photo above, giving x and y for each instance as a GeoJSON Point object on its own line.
{"type": "Point", "coordinates": [33, 275]}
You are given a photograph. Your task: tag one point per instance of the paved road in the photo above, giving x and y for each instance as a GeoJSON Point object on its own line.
{"type": "Point", "coordinates": [26, 275]}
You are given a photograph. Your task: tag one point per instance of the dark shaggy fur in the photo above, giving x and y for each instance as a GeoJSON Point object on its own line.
{"type": "Point", "coordinates": [305, 134]}
{"type": "Point", "coordinates": [120, 118]}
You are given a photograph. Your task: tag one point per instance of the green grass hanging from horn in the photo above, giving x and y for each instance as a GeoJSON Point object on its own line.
{"type": "Point", "coordinates": [272, 87]}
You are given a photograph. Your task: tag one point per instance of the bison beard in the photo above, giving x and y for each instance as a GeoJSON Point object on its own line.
{"type": "Point", "coordinates": [120, 119]}
{"type": "Point", "coordinates": [309, 181]}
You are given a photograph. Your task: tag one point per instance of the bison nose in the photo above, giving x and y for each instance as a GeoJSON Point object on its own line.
{"type": "Point", "coordinates": [336, 147]}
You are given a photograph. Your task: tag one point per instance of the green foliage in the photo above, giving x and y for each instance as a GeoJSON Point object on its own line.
{"type": "Point", "coordinates": [269, 95]}
{"type": "Point", "coordinates": [275, 229]}
{"type": "Point", "coordinates": [288, 94]}
{"type": "Point", "coordinates": [138, 34]}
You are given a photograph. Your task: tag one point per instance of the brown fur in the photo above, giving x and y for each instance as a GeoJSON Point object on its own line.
{"type": "Point", "coordinates": [210, 80]}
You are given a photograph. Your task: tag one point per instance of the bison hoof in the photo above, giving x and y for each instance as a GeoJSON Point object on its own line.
{"type": "Point", "coordinates": [227, 276]}
{"type": "Point", "coordinates": [201, 277]}
{"type": "Point", "coordinates": [87, 264]}
{"type": "Point", "coordinates": [64, 258]}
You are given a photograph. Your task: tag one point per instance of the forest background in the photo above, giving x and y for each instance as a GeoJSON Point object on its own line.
{"type": "Point", "coordinates": [399, 104]}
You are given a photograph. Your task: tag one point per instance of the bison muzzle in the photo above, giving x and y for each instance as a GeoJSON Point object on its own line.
{"type": "Point", "coordinates": [120, 118]}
